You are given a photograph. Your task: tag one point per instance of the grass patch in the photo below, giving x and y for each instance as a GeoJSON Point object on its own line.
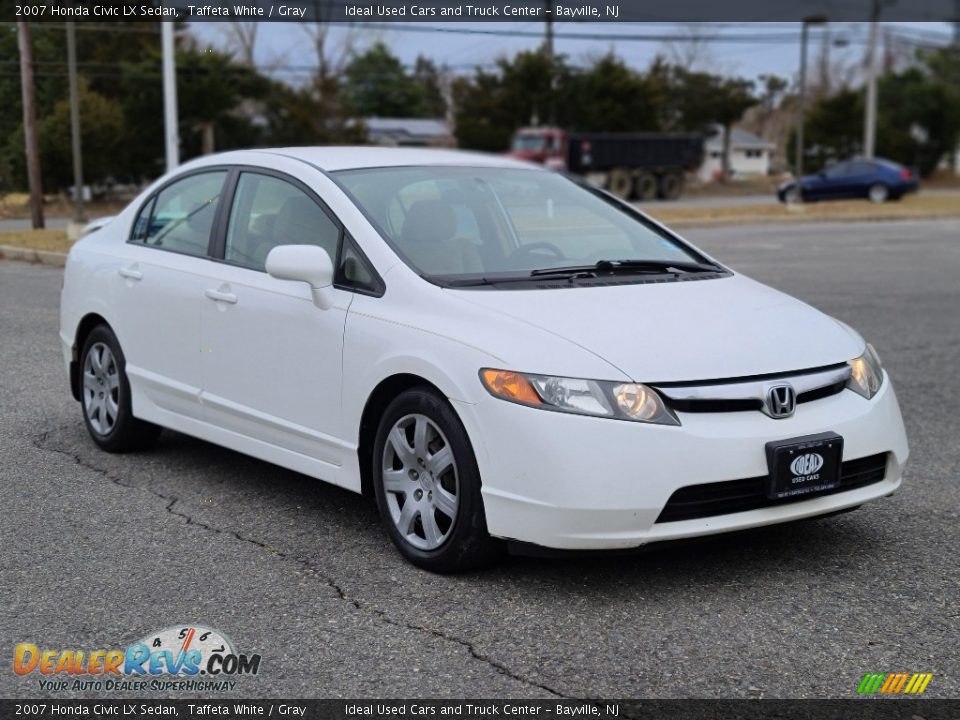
{"type": "Point", "coordinates": [52, 240]}
{"type": "Point", "coordinates": [912, 206]}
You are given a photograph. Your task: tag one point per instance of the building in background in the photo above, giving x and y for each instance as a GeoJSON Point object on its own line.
{"type": "Point", "coordinates": [409, 132]}
{"type": "Point", "coordinates": [749, 155]}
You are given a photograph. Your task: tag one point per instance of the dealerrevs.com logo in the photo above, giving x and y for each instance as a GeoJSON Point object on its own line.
{"type": "Point", "coordinates": [185, 657]}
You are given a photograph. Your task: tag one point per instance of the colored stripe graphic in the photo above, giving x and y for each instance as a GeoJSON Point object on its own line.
{"type": "Point", "coordinates": [894, 683]}
{"type": "Point", "coordinates": [870, 683]}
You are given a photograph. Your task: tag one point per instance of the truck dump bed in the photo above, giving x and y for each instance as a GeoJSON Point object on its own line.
{"type": "Point", "coordinates": [600, 152]}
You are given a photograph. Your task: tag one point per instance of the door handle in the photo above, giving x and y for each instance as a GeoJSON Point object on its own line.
{"type": "Point", "coordinates": [219, 296]}
{"type": "Point", "coordinates": [130, 273]}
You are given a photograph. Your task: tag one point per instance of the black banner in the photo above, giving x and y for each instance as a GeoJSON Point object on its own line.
{"type": "Point", "coordinates": [504, 11]}
{"type": "Point", "coordinates": [860, 709]}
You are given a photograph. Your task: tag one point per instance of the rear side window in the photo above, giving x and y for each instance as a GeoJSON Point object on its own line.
{"type": "Point", "coordinates": [838, 170]}
{"type": "Point", "coordinates": [268, 212]}
{"type": "Point", "coordinates": [180, 218]}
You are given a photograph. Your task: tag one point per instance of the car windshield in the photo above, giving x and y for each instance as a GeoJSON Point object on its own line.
{"type": "Point", "coordinates": [529, 142]}
{"type": "Point", "coordinates": [454, 222]}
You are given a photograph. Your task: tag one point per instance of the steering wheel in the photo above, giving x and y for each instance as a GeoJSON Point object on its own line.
{"type": "Point", "coordinates": [530, 248]}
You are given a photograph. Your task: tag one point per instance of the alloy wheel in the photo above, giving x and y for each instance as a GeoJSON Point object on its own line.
{"type": "Point", "coordinates": [101, 388]}
{"type": "Point", "coordinates": [420, 481]}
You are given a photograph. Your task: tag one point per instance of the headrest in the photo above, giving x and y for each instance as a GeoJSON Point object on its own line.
{"type": "Point", "coordinates": [295, 221]}
{"type": "Point", "coordinates": [429, 221]}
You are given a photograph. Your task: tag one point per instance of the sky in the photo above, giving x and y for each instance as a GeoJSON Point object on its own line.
{"type": "Point", "coordinates": [743, 49]}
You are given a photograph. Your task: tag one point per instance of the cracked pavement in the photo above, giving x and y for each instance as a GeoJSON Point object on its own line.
{"type": "Point", "coordinates": [98, 549]}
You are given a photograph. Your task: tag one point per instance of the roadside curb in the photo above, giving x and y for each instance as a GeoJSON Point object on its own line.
{"type": "Point", "coordinates": [37, 257]}
{"type": "Point", "coordinates": [793, 220]}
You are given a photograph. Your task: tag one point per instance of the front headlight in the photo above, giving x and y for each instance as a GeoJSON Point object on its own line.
{"type": "Point", "coordinates": [866, 373]}
{"type": "Point", "coordinates": [621, 401]}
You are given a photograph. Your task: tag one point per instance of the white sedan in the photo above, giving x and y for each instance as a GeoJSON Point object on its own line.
{"type": "Point", "coordinates": [491, 350]}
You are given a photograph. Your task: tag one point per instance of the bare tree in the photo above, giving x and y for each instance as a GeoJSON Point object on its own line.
{"type": "Point", "coordinates": [692, 52]}
{"type": "Point", "coordinates": [332, 57]}
{"type": "Point", "coordinates": [242, 38]}
{"type": "Point", "coordinates": [823, 84]}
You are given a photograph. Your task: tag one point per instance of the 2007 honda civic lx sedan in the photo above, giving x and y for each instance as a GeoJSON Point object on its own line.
{"type": "Point", "coordinates": [489, 349]}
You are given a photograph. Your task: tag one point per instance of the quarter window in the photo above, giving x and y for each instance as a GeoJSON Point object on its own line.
{"type": "Point", "coordinates": [181, 216]}
{"type": "Point", "coordinates": [268, 212]}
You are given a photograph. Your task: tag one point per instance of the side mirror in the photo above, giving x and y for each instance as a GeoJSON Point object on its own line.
{"type": "Point", "coordinates": [304, 263]}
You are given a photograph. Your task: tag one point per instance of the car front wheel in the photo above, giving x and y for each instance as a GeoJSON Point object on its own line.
{"type": "Point", "coordinates": [105, 396]}
{"type": "Point", "coordinates": [792, 196]}
{"type": "Point", "coordinates": [427, 485]}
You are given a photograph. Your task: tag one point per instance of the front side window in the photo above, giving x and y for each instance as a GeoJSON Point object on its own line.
{"type": "Point", "coordinates": [181, 216]}
{"type": "Point", "coordinates": [268, 212]}
{"type": "Point", "coordinates": [453, 221]}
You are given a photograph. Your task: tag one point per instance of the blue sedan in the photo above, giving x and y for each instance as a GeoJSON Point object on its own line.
{"type": "Point", "coordinates": [877, 180]}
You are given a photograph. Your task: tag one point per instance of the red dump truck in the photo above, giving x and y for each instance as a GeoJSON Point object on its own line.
{"type": "Point", "coordinates": [630, 165]}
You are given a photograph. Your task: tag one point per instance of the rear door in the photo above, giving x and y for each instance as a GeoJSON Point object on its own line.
{"type": "Point", "coordinates": [860, 177]}
{"type": "Point", "coordinates": [159, 290]}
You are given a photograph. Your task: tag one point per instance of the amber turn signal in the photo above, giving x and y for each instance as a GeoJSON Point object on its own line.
{"type": "Point", "coordinates": [510, 386]}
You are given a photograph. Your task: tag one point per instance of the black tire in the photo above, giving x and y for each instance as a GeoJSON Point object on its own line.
{"type": "Point", "coordinates": [646, 186]}
{"type": "Point", "coordinates": [620, 183]}
{"type": "Point", "coordinates": [467, 544]}
{"type": "Point", "coordinates": [126, 432]}
{"type": "Point", "coordinates": [670, 186]}
{"type": "Point", "coordinates": [792, 196]}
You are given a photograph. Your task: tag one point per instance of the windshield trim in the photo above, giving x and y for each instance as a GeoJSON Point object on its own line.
{"type": "Point", "coordinates": [448, 281]}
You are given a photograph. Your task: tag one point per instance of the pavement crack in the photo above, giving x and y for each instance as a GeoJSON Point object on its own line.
{"type": "Point", "coordinates": [353, 602]}
{"type": "Point", "coordinates": [41, 443]}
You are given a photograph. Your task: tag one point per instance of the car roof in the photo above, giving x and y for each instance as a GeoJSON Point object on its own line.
{"type": "Point", "coordinates": [332, 158]}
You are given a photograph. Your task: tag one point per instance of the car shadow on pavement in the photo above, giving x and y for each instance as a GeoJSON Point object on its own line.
{"type": "Point", "coordinates": [301, 517]}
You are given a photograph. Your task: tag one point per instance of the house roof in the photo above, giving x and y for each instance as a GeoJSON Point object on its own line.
{"type": "Point", "coordinates": [739, 138]}
{"type": "Point", "coordinates": [423, 128]}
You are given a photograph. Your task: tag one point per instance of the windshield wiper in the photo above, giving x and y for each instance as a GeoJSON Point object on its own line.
{"type": "Point", "coordinates": [626, 267]}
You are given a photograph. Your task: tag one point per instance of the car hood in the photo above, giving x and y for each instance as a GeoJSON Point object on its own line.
{"type": "Point", "coordinates": [681, 331]}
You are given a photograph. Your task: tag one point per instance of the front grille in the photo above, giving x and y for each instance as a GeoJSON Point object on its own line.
{"type": "Point", "coordinates": [733, 496]}
{"type": "Point", "coordinates": [748, 393]}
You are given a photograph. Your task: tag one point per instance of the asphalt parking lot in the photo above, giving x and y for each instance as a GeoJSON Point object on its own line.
{"type": "Point", "coordinates": [98, 550]}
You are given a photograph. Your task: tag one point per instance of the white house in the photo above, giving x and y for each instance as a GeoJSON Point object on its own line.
{"type": "Point", "coordinates": [749, 155]}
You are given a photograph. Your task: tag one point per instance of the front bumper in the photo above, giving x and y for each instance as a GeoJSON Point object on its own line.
{"type": "Point", "coordinates": [573, 482]}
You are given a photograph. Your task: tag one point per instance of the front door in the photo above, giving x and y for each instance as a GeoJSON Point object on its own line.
{"type": "Point", "coordinates": [272, 359]}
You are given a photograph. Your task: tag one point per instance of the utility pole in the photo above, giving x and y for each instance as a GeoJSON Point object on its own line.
{"type": "Point", "coordinates": [75, 122]}
{"type": "Point", "coordinates": [30, 124]}
{"type": "Point", "coordinates": [548, 47]}
{"type": "Point", "coordinates": [171, 132]}
{"type": "Point", "coordinates": [870, 113]}
{"type": "Point", "coordinates": [956, 23]}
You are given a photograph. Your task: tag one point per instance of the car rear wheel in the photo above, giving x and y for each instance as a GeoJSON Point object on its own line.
{"type": "Point", "coordinates": [105, 396]}
{"type": "Point", "coordinates": [792, 196]}
{"type": "Point", "coordinates": [878, 193]}
{"type": "Point", "coordinates": [427, 485]}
